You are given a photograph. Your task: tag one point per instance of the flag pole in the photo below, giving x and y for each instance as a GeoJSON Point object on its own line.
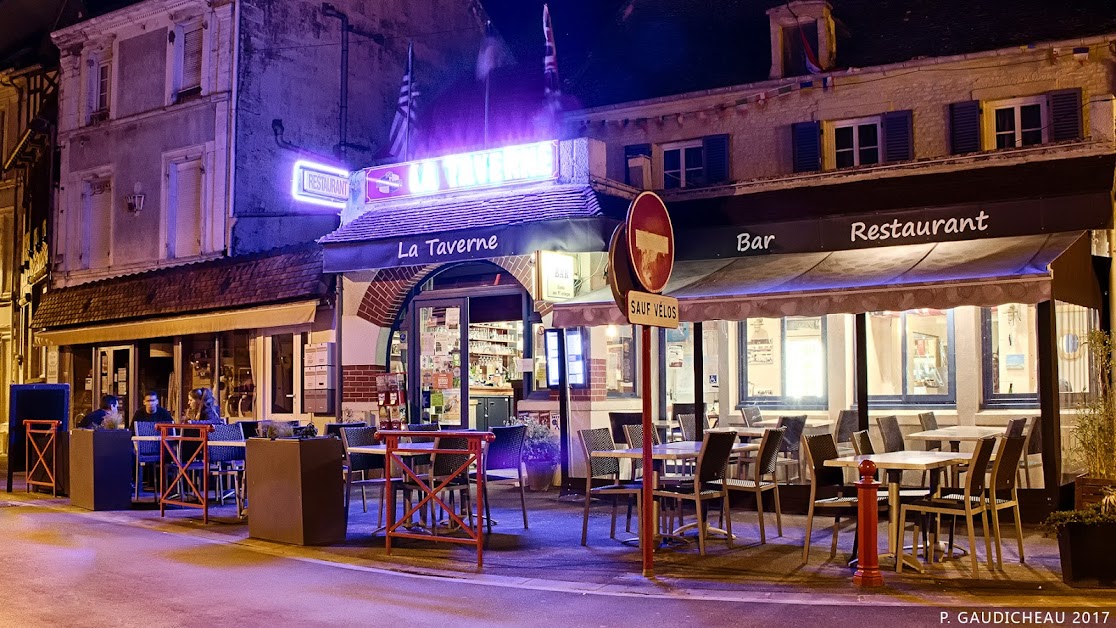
{"type": "Point", "coordinates": [487, 84]}
{"type": "Point", "coordinates": [410, 100]}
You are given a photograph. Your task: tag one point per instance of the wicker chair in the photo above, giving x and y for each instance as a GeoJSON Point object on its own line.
{"type": "Point", "coordinates": [1033, 448]}
{"type": "Point", "coordinates": [442, 466]}
{"type": "Point", "coordinates": [505, 454]}
{"type": "Point", "coordinates": [364, 464]}
{"type": "Point", "coordinates": [862, 443]}
{"type": "Point", "coordinates": [147, 453]}
{"type": "Point", "coordinates": [707, 484]}
{"type": "Point", "coordinates": [751, 415]}
{"type": "Point", "coordinates": [828, 481]}
{"type": "Point", "coordinates": [227, 462]}
{"type": "Point", "coordinates": [893, 441]}
{"type": "Point", "coordinates": [765, 466]}
{"type": "Point", "coordinates": [1002, 494]}
{"type": "Point", "coordinates": [619, 422]}
{"type": "Point", "coordinates": [928, 422]}
{"type": "Point", "coordinates": [792, 442]}
{"type": "Point", "coordinates": [601, 440]}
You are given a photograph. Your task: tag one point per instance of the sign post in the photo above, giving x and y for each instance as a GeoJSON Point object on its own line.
{"type": "Point", "coordinates": [641, 256]}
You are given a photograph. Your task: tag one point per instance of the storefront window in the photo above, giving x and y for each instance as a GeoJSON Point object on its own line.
{"type": "Point", "coordinates": [237, 384]}
{"type": "Point", "coordinates": [620, 372]}
{"type": "Point", "coordinates": [679, 364]}
{"type": "Point", "coordinates": [82, 386]}
{"type": "Point", "coordinates": [1073, 324]}
{"type": "Point", "coordinates": [1010, 355]}
{"type": "Point", "coordinates": [783, 362]}
{"type": "Point", "coordinates": [197, 352]}
{"type": "Point", "coordinates": [155, 372]}
{"type": "Point", "coordinates": [282, 374]}
{"type": "Point", "coordinates": [910, 357]}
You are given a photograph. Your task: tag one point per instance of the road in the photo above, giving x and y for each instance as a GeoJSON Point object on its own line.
{"type": "Point", "coordinates": [70, 569]}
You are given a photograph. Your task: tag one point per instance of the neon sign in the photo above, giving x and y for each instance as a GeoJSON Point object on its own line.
{"type": "Point", "coordinates": [481, 169]}
{"type": "Point", "coordinates": [320, 184]}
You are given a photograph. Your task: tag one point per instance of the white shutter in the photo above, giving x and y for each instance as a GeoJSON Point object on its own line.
{"type": "Point", "coordinates": [99, 201]}
{"type": "Point", "coordinates": [188, 208]}
{"type": "Point", "coordinates": [191, 59]}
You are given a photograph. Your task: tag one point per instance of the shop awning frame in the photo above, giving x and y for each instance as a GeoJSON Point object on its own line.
{"type": "Point", "coordinates": [283, 315]}
{"type": "Point", "coordinates": [984, 273]}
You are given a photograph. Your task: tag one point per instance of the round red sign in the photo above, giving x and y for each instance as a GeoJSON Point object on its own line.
{"type": "Point", "coordinates": [650, 241]}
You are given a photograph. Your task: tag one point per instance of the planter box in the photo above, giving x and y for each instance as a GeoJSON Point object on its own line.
{"type": "Point", "coordinates": [1088, 554]}
{"type": "Point", "coordinates": [1088, 491]}
{"type": "Point", "coordinates": [101, 469]}
{"type": "Point", "coordinates": [540, 476]}
{"type": "Point", "coordinates": [296, 491]}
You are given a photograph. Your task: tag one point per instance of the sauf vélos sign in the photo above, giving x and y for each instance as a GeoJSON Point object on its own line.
{"type": "Point", "coordinates": [481, 169]}
{"type": "Point", "coordinates": [641, 256]}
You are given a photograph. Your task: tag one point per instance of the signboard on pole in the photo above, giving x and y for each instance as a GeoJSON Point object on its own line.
{"type": "Point", "coordinates": [650, 241]}
{"type": "Point", "coordinates": [653, 310]}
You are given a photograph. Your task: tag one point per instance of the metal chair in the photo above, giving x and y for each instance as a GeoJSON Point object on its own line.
{"type": "Point", "coordinates": [708, 483]}
{"type": "Point", "coordinates": [893, 441]}
{"type": "Point", "coordinates": [227, 462]}
{"type": "Point", "coordinates": [928, 422]}
{"type": "Point", "coordinates": [619, 422]}
{"type": "Point", "coordinates": [147, 453]}
{"type": "Point", "coordinates": [334, 429]}
{"type": "Point", "coordinates": [1016, 427]}
{"type": "Point", "coordinates": [751, 414]}
{"type": "Point", "coordinates": [364, 464]}
{"type": "Point", "coordinates": [687, 424]}
{"type": "Point", "coordinates": [505, 453]}
{"type": "Point", "coordinates": [601, 440]}
{"type": "Point", "coordinates": [1002, 494]}
{"type": "Point", "coordinates": [969, 503]}
{"type": "Point", "coordinates": [792, 441]}
{"type": "Point", "coordinates": [1033, 448]}
{"type": "Point", "coordinates": [829, 481]}
{"type": "Point", "coordinates": [862, 443]}
{"type": "Point", "coordinates": [765, 466]}
{"type": "Point", "coordinates": [847, 423]}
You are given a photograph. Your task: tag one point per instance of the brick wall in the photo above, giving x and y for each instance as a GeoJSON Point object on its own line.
{"type": "Point", "coordinates": [386, 292]}
{"type": "Point", "coordinates": [597, 382]}
{"type": "Point", "coordinates": [360, 381]}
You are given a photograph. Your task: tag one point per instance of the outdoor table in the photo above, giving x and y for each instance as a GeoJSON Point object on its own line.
{"type": "Point", "coordinates": [474, 454]}
{"type": "Point", "coordinates": [680, 450]}
{"type": "Point", "coordinates": [744, 431]}
{"type": "Point", "coordinates": [814, 425]}
{"type": "Point", "coordinates": [932, 461]}
{"type": "Point", "coordinates": [957, 433]}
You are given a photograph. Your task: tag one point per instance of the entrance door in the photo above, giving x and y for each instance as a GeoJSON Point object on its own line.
{"type": "Point", "coordinates": [115, 377]}
{"type": "Point", "coordinates": [440, 392]}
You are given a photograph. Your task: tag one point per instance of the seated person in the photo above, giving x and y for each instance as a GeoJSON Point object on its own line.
{"type": "Point", "coordinates": [109, 407]}
{"type": "Point", "coordinates": [152, 411]}
{"type": "Point", "coordinates": [203, 407]}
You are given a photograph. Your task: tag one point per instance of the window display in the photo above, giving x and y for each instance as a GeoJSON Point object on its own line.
{"type": "Point", "coordinates": [620, 371]}
{"type": "Point", "coordinates": [1010, 352]}
{"type": "Point", "coordinates": [679, 363]}
{"type": "Point", "coordinates": [785, 361]}
{"type": "Point", "coordinates": [910, 356]}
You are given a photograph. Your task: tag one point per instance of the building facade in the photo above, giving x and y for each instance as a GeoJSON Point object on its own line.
{"type": "Point", "coordinates": [181, 257]}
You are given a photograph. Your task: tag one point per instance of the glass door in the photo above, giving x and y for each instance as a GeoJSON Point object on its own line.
{"type": "Point", "coordinates": [441, 356]}
{"type": "Point", "coordinates": [114, 367]}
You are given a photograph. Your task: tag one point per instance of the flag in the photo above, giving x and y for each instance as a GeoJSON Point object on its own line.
{"type": "Point", "coordinates": [402, 127]}
{"type": "Point", "coordinates": [490, 55]}
{"type": "Point", "coordinates": [811, 59]}
{"type": "Point", "coordinates": [550, 57]}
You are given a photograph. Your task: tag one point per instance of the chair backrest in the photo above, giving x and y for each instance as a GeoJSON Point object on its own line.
{"type": "Point", "coordinates": [716, 447]}
{"type": "Point", "coordinates": [146, 448]}
{"type": "Point", "coordinates": [683, 408]}
{"type": "Point", "coordinates": [599, 439]}
{"type": "Point", "coordinates": [847, 422]}
{"type": "Point", "coordinates": [792, 439]}
{"type": "Point", "coordinates": [1034, 436]}
{"type": "Point", "coordinates": [617, 420]}
{"type": "Point", "coordinates": [688, 424]}
{"type": "Point", "coordinates": [1004, 472]}
{"type": "Point", "coordinates": [506, 451]}
{"type": "Point", "coordinates": [768, 452]}
{"type": "Point", "coordinates": [230, 431]}
{"type": "Point", "coordinates": [334, 429]}
{"type": "Point", "coordinates": [752, 415]}
{"type": "Point", "coordinates": [978, 466]}
{"type": "Point", "coordinates": [862, 443]}
{"type": "Point", "coordinates": [892, 435]}
{"type": "Point", "coordinates": [423, 427]}
{"type": "Point", "coordinates": [634, 436]}
{"type": "Point", "coordinates": [250, 428]}
{"type": "Point", "coordinates": [1016, 427]}
{"type": "Point", "coordinates": [819, 448]}
{"type": "Point", "coordinates": [357, 437]}
{"type": "Point", "coordinates": [928, 422]}
{"type": "Point", "coordinates": [730, 420]}
{"type": "Point", "coordinates": [445, 464]}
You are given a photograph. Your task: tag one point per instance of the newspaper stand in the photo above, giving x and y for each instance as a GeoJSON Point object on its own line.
{"type": "Point", "coordinates": [430, 490]}
{"type": "Point", "coordinates": [47, 429]}
{"type": "Point", "coordinates": [171, 437]}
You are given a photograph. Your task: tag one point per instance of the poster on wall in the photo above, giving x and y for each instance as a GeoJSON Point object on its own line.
{"type": "Point", "coordinates": [759, 351]}
{"type": "Point", "coordinates": [674, 356]}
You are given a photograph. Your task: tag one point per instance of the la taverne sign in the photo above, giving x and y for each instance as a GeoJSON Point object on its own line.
{"type": "Point", "coordinates": [482, 169]}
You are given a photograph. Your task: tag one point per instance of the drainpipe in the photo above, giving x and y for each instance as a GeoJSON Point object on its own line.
{"type": "Point", "coordinates": [339, 372]}
{"type": "Point", "coordinates": [328, 10]}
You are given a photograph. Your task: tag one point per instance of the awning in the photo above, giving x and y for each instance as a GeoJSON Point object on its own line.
{"type": "Point", "coordinates": [475, 226]}
{"type": "Point", "coordinates": [988, 272]}
{"type": "Point", "coordinates": [300, 313]}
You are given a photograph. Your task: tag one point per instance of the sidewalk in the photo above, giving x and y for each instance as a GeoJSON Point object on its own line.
{"type": "Point", "coordinates": [549, 556]}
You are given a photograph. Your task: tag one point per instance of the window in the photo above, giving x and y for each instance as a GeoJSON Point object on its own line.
{"type": "Point", "coordinates": [100, 89]}
{"type": "Point", "coordinates": [783, 362]}
{"type": "Point", "coordinates": [237, 389]}
{"type": "Point", "coordinates": [797, 39]}
{"type": "Point", "coordinates": [678, 364]}
{"type": "Point", "coordinates": [7, 237]}
{"type": "Point", "coordinates": [856, 142]}
{"type": "Point", "coordinates": [683, 165]}
{"type": "Point", "coordinates": [187, 219]}
{"type": "Point", "coordinates": [1019, 122]}
{"type": "Point", "coordinates": [282, 374]}
{"type": "Point", "coordinates": [1072, 326]}
{"type": "Point", "coordinates": [1010, 354]}
{"type": "Point", "coordinates": [910, 357]}
{"type": "Point", "coordinates": [620, 371]}
{"type": "Point", "coordinates": [190, 63]}
{"type": "Point", "coordinates": [97, 223]}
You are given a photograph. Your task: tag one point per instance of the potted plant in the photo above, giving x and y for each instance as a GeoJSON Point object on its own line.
{"type": "Point", "coordinates": [540, 455]}
{"type": "Point", "coordinates": [1085, 534]}
{"type": "Point", "coordinates": [101, 466]}
{"type": "Point", "coordinates": [1085, 544]}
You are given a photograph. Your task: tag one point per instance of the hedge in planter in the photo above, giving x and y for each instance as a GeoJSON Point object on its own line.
{"type": "Point", "coordinates": [1085, 544]}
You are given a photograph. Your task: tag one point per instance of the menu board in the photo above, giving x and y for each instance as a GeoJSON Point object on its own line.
{"type": "Point", "coordinates": [577, 356]}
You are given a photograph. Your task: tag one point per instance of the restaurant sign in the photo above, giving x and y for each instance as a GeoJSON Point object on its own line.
{"type": "Point", "coordinates": [319, 184]}
{"type": "Point", "coordinates": [921, 226]}
{"type": "Point", "coordinates": [482, 169]}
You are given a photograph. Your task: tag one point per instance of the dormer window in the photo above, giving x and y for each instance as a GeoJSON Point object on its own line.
{"type": "Point", "coordinates": [802, 38]}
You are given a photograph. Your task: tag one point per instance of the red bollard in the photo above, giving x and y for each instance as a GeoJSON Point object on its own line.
{"type": "Point", "coordinates": [868, 519]}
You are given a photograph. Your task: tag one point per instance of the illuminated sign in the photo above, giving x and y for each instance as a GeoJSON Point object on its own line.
{"type": "Point", "coordinates": [320, 184]}
{"type": "Point", "coordinates": [482, 169]}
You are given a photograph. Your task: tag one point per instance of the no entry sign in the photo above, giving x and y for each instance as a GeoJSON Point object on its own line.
{"type": "Point", "coordinates": [650, 242]}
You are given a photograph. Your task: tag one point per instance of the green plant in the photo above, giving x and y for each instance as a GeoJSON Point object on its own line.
{"type": "Point", "coordinates": [1096, 514]}
{"type": "Point", "coordinates": [112, 422]}
{"type": "Point", "coordinates": [540, 444]}
{"type": "Point", "coordinates": [1094, 435]}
